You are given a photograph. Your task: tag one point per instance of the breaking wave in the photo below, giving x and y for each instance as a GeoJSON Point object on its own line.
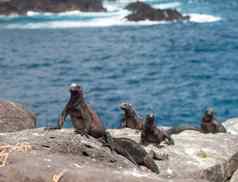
{"type": "Point", "coordinates": [76, 19]}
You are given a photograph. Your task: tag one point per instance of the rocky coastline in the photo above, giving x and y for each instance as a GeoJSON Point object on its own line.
{"type": "Point", "coordinates": [139, 11]}
{"type": "Point", "coordinates": [62, 155]}
{"type": "Point", "coordinates": [21, 7]}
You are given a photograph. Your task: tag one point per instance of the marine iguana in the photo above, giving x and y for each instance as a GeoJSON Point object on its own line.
{"type": "Point", "coordinates": [85, 121]}
{"type": "Point", "coordinates": [135, 153]}
{"type": "Point", "coordinates": [130, 118]}
{"type": "Point", "coordinates": [179, 129]}
{"type": "Point", "coordinates": [209, 123]}
{"type": "Point", "coordinates": [152, 134]}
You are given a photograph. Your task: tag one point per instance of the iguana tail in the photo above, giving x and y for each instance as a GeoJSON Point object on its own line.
{"type": "Point", "coordinates": [150, 164]}
{"type": "Point", "coordinates": [177, 130]}
{"type": "Point", "coordinates": [109, 140]}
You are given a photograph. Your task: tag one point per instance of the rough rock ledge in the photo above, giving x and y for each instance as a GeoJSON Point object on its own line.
{"type": "Point", "coordinates": [61, 155]}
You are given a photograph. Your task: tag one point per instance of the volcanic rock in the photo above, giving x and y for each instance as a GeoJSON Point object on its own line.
{"type": "Point", "coordinates": [62, 154]}
{"type": "Point", "coordinates": [142, 11]}
{"type": "Point", "coordinates": [15, 117]}
{"type": "Point", "coordinates": [21, 7]}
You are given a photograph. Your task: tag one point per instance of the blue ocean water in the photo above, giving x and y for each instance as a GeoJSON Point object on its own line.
{"type": "Point", "coordinates": [173, 69]}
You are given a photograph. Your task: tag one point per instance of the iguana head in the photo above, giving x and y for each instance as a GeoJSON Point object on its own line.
{"type": "Point", "coordinates": [128, 109]}
{"type": "Point", "coordinates": [150, 119]}
{"type": "Point", "coordinates": [76, 91]}
{"type": "Point", "coordinates": [208, 115]}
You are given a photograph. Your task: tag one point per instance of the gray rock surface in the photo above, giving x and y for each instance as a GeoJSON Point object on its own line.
{"type": "Point", "coordinates": [42, 167]}
{"type": "Point", "coordinates": [61, 155]}
{"type": "Point", "coordinates": [14, 117]}
{"type": "Point", "coordinates": [200, 156]}
{"type": "Point", "coordinates": [45, 155]}
{"type": "Point", "coordinates": [234, 177]}
{"type": "Point", "coordinates": [231, 126]}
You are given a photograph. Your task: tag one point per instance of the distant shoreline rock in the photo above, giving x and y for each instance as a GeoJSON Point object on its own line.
{"type": "Point", "coordinates": [21, 7]}
{"type": "Point", "coordinates": [142, 11]}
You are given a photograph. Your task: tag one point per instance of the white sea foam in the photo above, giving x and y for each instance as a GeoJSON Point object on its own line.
{"type": "Point", "coordinates": [9, 17]}
{"type": "Point", "coordinates": [112, 6]}
{"type": "Point", "coordinates": [203, 18]}
{"type": "Point", "coordinates": [33, 13]}
{"type": "Point", "coordinates": [114, 17]}
{"type": "Point", "coordinates": [167, 5]}
{"type": "Point", "coordinates": [116, 20]}
{"type": "Point", "coordinates": [70, 13]}
{"type": "Point", "coordinates": [105, 22]}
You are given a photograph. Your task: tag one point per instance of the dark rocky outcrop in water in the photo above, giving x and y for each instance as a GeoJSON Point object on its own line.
{"type": "Point", "coordinates": [21, 7]}
{"type": "Point", "coordinates": [142, 11]}
{"type": "Point", "coordinates": [14, 117]}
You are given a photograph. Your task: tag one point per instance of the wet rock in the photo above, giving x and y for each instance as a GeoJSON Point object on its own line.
{"type": "Point", "coordinates": [142, 11]}
{"type": "Point", "coordinates": [21, 7]}
{"type": "Point", "coordinates": [14, 117]}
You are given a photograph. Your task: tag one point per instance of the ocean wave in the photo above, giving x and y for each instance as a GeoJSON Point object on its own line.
{"type": "Point", "coordinates": [68, 13]}
{"type": "Point", "coordinates": [203, 18]}
{"type": "Point", "coordinates": [12, 16]}
{"type": "Point", "coordinates": [115, 16]}
{"type": "Point", "coordinates": [109, 21]}
{"type": "Point", "coordinates": [167, 5]}
{"type": "Point", "coordinates": [39, 17]}
{"type": "Point", "coordinates": [105, 22]}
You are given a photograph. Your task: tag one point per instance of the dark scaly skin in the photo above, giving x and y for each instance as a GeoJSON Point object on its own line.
{"type": "Point", "coordinates": [209, 123]}
{"type": "Point", "coordinates": [84, 120]}
{"type": "Point", "coordinates": [152, 134]}
{"type": "Point", "coordinates": [177, 130]}
{"type": "Point", "coordinates": [130, 119]}
{"type": "Point", "coordinates": [135, 153]}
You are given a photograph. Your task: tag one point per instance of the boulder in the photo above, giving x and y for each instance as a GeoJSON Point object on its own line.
{"type": "Point", "coordinates": [231, 126]}
{"type": "Point", "coordinates": [234, 177]}
{"type": "Point", "coordinates": [42, 167]}
{"type": "Point", "coordinates": [195, 155]}
{"type": "Point", "coordinates": [142, 11]}
{"type": "Point", "coordinates": [14, 117]}
{"type": "Point", "coordinates": [21, 7]}
{"type": "Point", "coordinates": [61, 155]}
{"type": "Point", "coordinates": [53, 155]}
